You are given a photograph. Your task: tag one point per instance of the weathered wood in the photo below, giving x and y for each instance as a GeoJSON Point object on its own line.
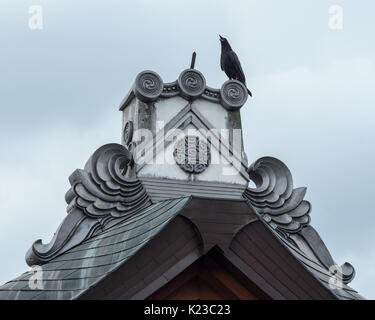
{"type": "Point", "coordinates": [204, 280]}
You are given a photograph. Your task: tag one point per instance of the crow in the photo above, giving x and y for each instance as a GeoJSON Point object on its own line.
{"type": "Point", "coordinates": [230, 64]}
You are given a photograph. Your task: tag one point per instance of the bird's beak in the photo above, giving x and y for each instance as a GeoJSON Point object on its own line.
{"type": "Point", "coordinates": [221, 38]}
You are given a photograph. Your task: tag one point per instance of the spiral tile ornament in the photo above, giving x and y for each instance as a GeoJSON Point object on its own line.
{"type": "Point", "coordinates": [233, 94]}
{"type": "Point", "coordinates": [148, 86]}
{"type": "Point", "coordinates": [282, 206]}
{"type": "Point", "coordinates": [192, 83]}
{"type": "Point", "coordinates": [100, 196]}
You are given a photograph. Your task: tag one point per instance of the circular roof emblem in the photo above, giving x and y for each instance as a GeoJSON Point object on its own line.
{"type": "Point", "coordinates": [233, 94]}
{"type": "Point", "coordinates": [192, 154]}
{"type": "Point", "coordinates": [148, 86]}
{"type": "Point", "coordinates": [128, 132]}
{"type": "Point", "coordinates": [192, 83]}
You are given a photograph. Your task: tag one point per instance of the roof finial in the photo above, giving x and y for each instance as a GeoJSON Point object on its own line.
{"type": "Point", "coordinates": [193, 57]}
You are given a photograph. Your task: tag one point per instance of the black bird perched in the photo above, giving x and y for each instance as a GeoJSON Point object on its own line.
{"type": "Point", "coordinates": [230, 64]}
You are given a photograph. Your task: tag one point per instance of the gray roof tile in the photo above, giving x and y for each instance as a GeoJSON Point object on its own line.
{"type": "Point", "coordinates": [320, 273]}
{"type": "Point", "coordinates": [75, 271]}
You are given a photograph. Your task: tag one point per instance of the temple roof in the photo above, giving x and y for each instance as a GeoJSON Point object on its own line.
{"type": "Point", "coordinates": [82, 271]}
{"type": "Point", "coordinates": [133, 227]}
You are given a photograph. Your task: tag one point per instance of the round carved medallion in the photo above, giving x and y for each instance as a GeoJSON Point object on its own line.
{"type": "Point", "coordinates": [233, 94]}
{"type": "Point", "coordinates": [192, 154]}
{"type": "Point", "coordinates": [148, 86]}
{"type": "Point", "coordinates": [128, 132]}
{"type": "Point", "coordinates": [192, 83]}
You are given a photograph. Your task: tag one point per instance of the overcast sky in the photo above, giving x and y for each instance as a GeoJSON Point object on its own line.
{"type": "Point", "coordinates": [313, 104]}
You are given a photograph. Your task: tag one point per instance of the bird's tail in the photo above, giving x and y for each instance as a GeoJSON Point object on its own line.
{"type": "Point", "coordinates": [249, 92]}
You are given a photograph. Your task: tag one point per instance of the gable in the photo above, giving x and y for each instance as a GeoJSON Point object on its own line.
{"type": "Point", "coordinates": [206, 279]}
{"type": "Point", "coordinates": [155, 159]}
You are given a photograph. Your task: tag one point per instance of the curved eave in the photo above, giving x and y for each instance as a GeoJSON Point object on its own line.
{"type": "Point", "coordinates": [98, 263]}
